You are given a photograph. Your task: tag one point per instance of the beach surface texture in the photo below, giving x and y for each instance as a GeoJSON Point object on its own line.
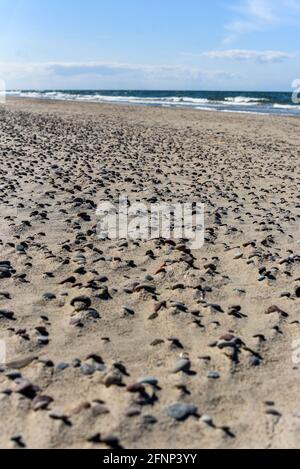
{"type": "Point", "coordinates": [148, 344]}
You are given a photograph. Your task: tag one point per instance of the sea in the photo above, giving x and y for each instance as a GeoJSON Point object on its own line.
{"type": "Point", "coordinates": [279, 103]}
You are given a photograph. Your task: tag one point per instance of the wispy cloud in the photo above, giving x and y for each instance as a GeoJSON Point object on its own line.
{"type": "Point", "coordinates": [109, 74]}
{"type": "Point", "coordinates": [259, 15]}
{"type": "Point", "coordinates": [267, 56]}
{"type": "Point", "coordinates": [103, 69]}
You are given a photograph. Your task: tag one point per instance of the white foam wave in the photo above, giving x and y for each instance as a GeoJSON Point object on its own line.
{"type": "Point", "coordinates": [286, 106]}
{"type": "Point", "coordinates": [245, 101]}
{"type": "Point", "coordinates": [240, 104]}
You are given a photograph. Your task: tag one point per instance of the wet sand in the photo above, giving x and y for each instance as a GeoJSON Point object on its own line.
{"type": "Point", "coordinates": [146, 344]}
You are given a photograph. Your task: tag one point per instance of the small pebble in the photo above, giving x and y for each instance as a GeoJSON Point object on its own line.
{"type": "Point", "coordinates": [182, 365]}
{"type": "Point", "coordinates": [150, 380]}
{"type": "Point", "coordinates": [213, 375]}
{"type": "Point", "coordinates": [41, 403]}
{"type": "Point", "coordinates": [62, 366]}
{"type": "Point", "coordinates": [181, 412]}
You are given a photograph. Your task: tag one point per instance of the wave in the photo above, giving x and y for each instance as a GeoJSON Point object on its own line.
{"type": "Point", "coordinates": [276, 103]}
{"type": "Point", "coordinates": [286, 106]}
{"type": "Point", "coordinates": [247, 101]}
{"type": "Point", "coordinates": [174, 100]}
{"type": "Point", "coordinates": [96, 97]}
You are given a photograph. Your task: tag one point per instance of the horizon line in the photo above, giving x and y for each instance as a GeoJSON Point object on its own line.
{"type": "Point", "coordinates": [151, 90]}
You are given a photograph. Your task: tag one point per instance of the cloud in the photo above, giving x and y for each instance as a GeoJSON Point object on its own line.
{"type": "Point", "coordinates": [259, 15]}
{"type": "Point", "coordinates": [163, 72]}
{"type": "Point", "coordinates": [267, 56]}
{"type": "Point", "coordinates": [108, 75]}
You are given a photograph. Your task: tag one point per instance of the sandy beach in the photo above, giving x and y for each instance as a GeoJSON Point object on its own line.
{"type": "Point", "coordinates": [138, 344]}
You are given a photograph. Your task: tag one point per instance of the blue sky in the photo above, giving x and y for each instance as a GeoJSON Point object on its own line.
{"type": "Point", "coordinates": [150, 44]}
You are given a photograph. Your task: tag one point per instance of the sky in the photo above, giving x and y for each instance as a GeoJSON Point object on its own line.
{"type": "Point", "coordinates": [150, 44]}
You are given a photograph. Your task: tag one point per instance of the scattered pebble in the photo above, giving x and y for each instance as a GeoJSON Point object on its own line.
{"type": "Point", "coordinates": [213, 375]}
{"type": "Point", "coordinates": [181, 412]}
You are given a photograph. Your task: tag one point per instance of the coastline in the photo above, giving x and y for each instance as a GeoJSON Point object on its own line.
{"type": "Point", "coordinates": [58, 160]}
{"type": "Point", "coordinates": [248, 102]}
{"type": "Point", "coordinates": [86, 106]}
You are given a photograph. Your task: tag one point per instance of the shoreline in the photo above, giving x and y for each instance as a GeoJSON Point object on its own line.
{"type": "Point", "coordinates": [138, 105]}
{"type": "Point", "coordinates": [45, 105]}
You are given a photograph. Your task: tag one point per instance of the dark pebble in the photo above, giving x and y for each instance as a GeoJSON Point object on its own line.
{"type": "Point", "coordinates": [62, 366]}
{"type": "Point", "coordinates": [49, 296]}
{"type": "Point", "coordinates": [181, 412]}
{"type": "Point", "coordinates": [41, 403]}
{"type": "Point", "coordinates": [87, 369]}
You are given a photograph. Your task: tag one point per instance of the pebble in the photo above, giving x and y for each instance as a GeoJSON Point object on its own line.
{"type": "Point", "coordinates": [276, 309]}
{"type": "Point", "coordinates": [149, 420]}
{"type": "Point", "coordinates": [133, 412]}
{"type": "Point", "coordinates": [175, 343]}
{"type": "Point", "coordinates": [181, 412]}
{"type": "Point", "coordinates": [182, 365]}
{"type": "Point", "coordinates": [42, 340]}
{"type": "Point", "coordinates": [92, 314]}
{"type": "Point", "coordinates": [254, 361]}
{"type": "Point", "coordinates": [159, 306]}
{"type": "Point", "coordinates": [96, 438]}
{"type": "Point", "coordinates": [20, 249]}
{"type": "Point", "coordinates": [148, 380]}
{"type": "Point", "coordinates": [99, 409]}
{"type": "Point", "coordinates": [213, 375]}
{"type": "Point", "coordinates": [270, 403]}
{"type": "Point", "coordinates": [128, 311]}
{"type": "Point", "coordinates": [5, 271]}
{"type": "Point", "coordinates": [5, 295]}
{"type": "Point", "coordinates": [146, 287]}
{"type": "Point", "coordinates": [149, 278]}
{"type": "Point", "coordinates": [208, 420]}
{"type": "Point", "coordinates": [136, 388]}
{"type": "Point", "coordinates": [238, 256]}
{"type": "Point", "coordinates": [180, 306]}
{"type": "Point", "coordinates": [4, 313]}
{"type": "Point", "coordinates": [113, 379]}
{"type": "Point", "coordinates": [273, 412]}
{"type": "Point", "coordinates": [157, 342]}
{"type": "Point", "coordinates": [153, 316]}
{"type": "Point", "coordinates": [13, 375]}
{"type": "Point", "coordinates": [81, 303]}
{"type": "Point", "coordinates": [285, 295]}
{"type": "Point", "coordinates": [21, 363]}
{"type": "Point", "coordinates": [41, 403]}
{"type": "Point", "coordinates": [76, 363]}
{"type": "Point", "coordinates": [212, 344]}
{"type": "Point", "coordinates": [18, 439]}
{"type": "Point", "coordinates": [88, 369]}
{"type": "Point", "coordinates": [49, 296]}
{"type": "Point", "coordinates": [26, 388]}
{"type": "Point", "coordinates": [59, 416]}
{"type": "Point", "coordinates": [111, 440]}
{"type": "Point", "coordinates": [62, 366]}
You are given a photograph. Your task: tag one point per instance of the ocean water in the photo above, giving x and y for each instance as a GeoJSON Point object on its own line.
{"type": "Point", "coordinates": [225, 101]}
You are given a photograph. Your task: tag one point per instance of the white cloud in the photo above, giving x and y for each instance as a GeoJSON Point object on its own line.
{"type": "Point", "coordinates": [258, 56]}
{"type": "Point", "coordinates": [107, 75]}
{"type": "Point", "coordinates": [259, 15]}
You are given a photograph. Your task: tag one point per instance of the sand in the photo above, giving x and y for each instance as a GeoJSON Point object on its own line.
{"type": "Point", "coordinates": [202, 354]}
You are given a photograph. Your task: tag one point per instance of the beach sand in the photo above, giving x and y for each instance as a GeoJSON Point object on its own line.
{"type": "Point", "coordinates": [166, 349]}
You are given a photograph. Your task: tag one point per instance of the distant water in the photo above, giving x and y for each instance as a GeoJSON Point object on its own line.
{"type": "Point", "coordinates": [225, 101]}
